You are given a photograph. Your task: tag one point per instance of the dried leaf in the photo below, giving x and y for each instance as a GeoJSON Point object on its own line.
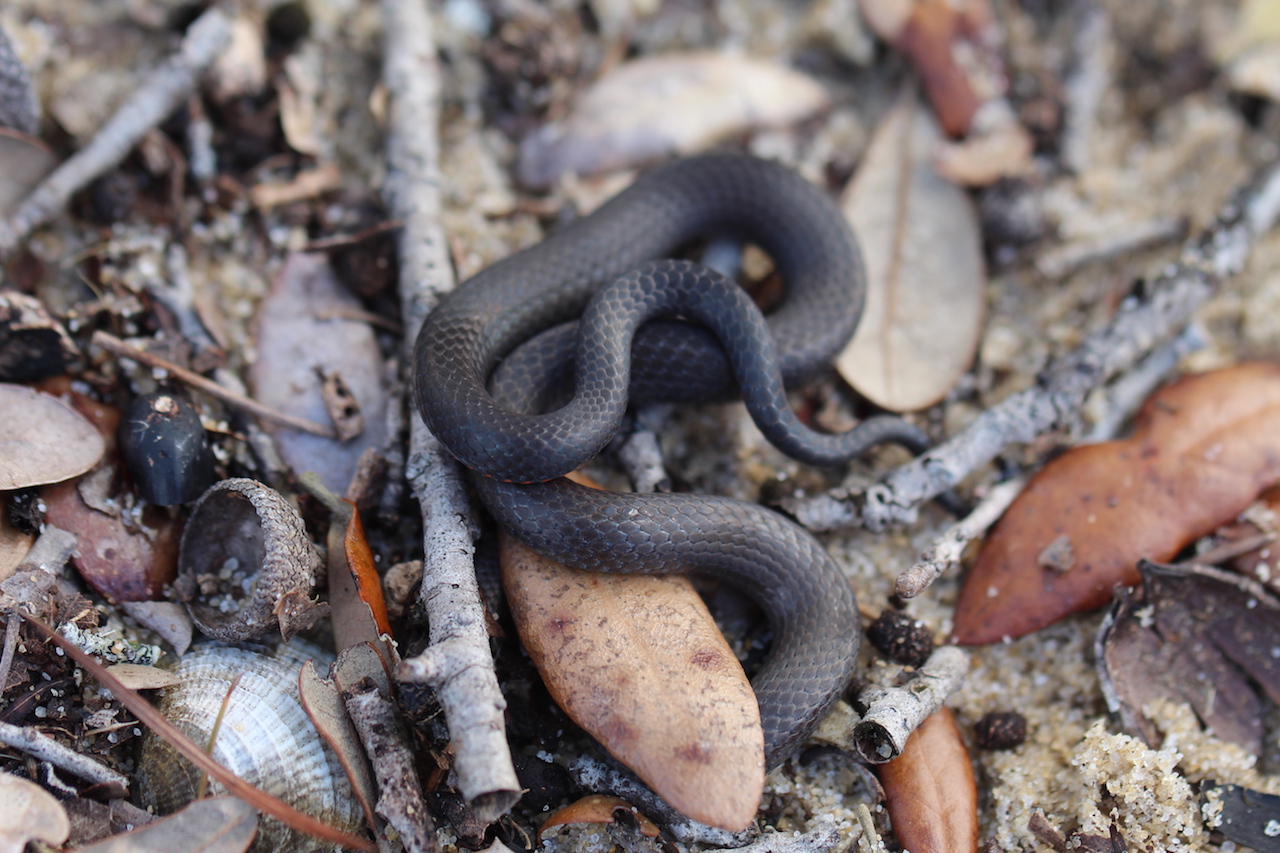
{"type": "Point", "coordinates": [927, 39]}
{"type": "Point", "coordinates": [323, 703]}
{"type": "Point", "coordinates": [1202, 449]}
{"type": "Point", "coordinates": [14, 544]}
{"type": "Point", "coordinates": [365, 571]}
{"type": "Point", "coordinates": [24, 161]}
{"type": "Point", "coordinates": [28, 812]}
{"type": "Point", "coordinates": [1193, 635]}
{"type": "Point", "coordinates": [121, 562]}
{"type": "Point", "coordinates": [42, 439]}
{"type": "Point", "coordinates": [135, 676]}
{"type": "Point", "coordinates": [930, 790]}
{"type": "Point", "coordinates": [925, 277]}
{"type": "Point", "coordinates": [167, 618]}
{"type": "Point", "coordinates": [304, 330]}
{"type": "Point", "coordinates": [678, 103]}
{"type": "Point", "coordinates": [1245, 816]}
{"type": "Point", "coordinates": [598, 808]}
{"type": "Point", "coordinates": [213, 825]}
{"type": "Point", "coordinates": [638, 662]}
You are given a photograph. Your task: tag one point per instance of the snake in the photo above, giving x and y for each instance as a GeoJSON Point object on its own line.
{"type": "Point", "coordinates": [525, 372]}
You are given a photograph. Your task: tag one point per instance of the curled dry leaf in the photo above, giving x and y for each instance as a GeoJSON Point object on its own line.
{"type": "Point", "coordinates": [925, 278]}
{"type": "Point", "coordinates": [1243, 815]}
{"type": "Point", "coordinates": [930, 790]}
{"type": "Point", "coordinates": [42, 439]}
{"type": "Point", "coordinates": [1201, 450]}
{"type": "Point", "coordinates": [304, 330]}
{"type": "Point", "coordinates": [29, 813]}
{"type": "Point", "coordinates": [663, 105]}
{"type": "Point", "coordinates": [1193, 635]}
{"type": "Point", "coordinates": [598, 808]}
{"type": "Point", "coordinates": [323, 704]}
{"type": "Point", "coordinates": [213, 825]}
{"type": "Point", "coordinates": [639, 663]}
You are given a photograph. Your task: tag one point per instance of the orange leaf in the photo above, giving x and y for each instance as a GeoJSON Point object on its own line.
{"type": "Point", "coordinates": [930, 790]}
{"type": "Point", "coordinates": [363, 569]}
{"type": "Point", "coordinates": [638, 662]}
{"type": "Point", "coordinates": [598, 808]}
{"type": "Point", "coordinates": [1202, 449]}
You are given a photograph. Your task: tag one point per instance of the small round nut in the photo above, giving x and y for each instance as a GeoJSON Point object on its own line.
{"type": "Point", "coordinates": [901, 639]}
{"type": "Point", "coordinates": [1000, 730]}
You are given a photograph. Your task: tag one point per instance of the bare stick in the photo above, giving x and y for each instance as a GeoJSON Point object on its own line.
{"type": "Point", "coordinates": [458, 662]}
{"type": "Point", "coordinates": [45, 748]}
{"type": "Point", "coordinates": [399, 792]}
{"type": "Point", "coordinates": [1055, 401]}
{"type": "Point", "coordinates": [166, 89]}
{"type": "Point", "coordinates": [945, 553]}
{"type": "Point", "coordinates": [893, 713]}
{"type": "Point", "coordinates": [114, 345]}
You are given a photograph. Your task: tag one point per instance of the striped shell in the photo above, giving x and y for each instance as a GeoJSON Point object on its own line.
{"type": "Point", "coordinates": [266, 738]}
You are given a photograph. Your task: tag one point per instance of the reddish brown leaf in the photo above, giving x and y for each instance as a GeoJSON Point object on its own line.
{"type": "Point", "coordinates": [365, 571]}
{"type": "Point", "coordinates": [638, 662]}
{"type": "Point", "coordinates": [42, 439]}
{"type": "Point", "coordinates": [1201, 450]}
{"type": "Point", "coordinates": [930, 790]}
{"type": "Point", "coordinates": [598, 808]}
{"type": "Point", "coordinates": [927, 40]}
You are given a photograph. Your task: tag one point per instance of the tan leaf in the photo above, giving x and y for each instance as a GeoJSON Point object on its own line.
{"type": "Point", "coordinates": [306, 328]}
{"type": "Point", "coordinates": [28, 812]}
{"type": "Point", "coordinates": [135, 676]}
{"type": "Point", "coordinates": [42, 439]}
{"type": "Point", "coordinates": [323, 704]}
{"type": "Point", "coordinates": [1202, 449]}
{"type": "Point", "coordinates": [930, 790]}
{"type": "Point", "coordinates": [679, 103]}
{"type": "Point", "coordinates": [14, 544]}
{"type": "Point", "coordinates": [925, 278]}
{"type": "Point", "coordinates": [638, 662]}
{"type": "Point", "coordinates": [213, 825]}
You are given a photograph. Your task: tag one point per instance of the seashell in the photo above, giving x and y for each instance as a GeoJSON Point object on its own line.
{"type": "Point", "coordinates": [247, 565]}
{"type": "Point", "coordinates": [266, 738]}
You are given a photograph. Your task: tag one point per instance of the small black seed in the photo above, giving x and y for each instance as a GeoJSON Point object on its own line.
{"type": "Point", "coordinates": [1000, 730]}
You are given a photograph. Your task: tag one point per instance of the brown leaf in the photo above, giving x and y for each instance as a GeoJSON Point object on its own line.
{"type": "Point", "coordinates": [303, 331]}
{"type": "Point", "coordinates": [24, 160]}
{"type": "Point", "coordinates": [135, 676]}
{"type": "Point", "coordinates": [925, 278]}
{"type": "Point", "coordinates": [679, 103]}
{"type": "Point", "coordinates": [360, 561]}
{"type": "Point", "coordinates": [121, 562]}
{"type": "Point", "coordinates": [27, 811]}
{"type": "Point", "coordinates": [14, 544]}
{"type": "Point", "coordinates": [323, 703]}
{"type": "Point", "coordinates": [598, 808]}
{"type": "Point", "coordinates": [42, 439]}
{"type": "Point", "coordinates": [1193, 635]}
{"type": "Point", "coordinates": [927, 40]}
{"type": "Point", "coordinates": [1202, 449]}
{"type": "Point", "coordinates": [213, 825]}
{"type": "Point", "coordinates": [930, 790]}
{"type": "Point", "coordinates": [639, 663]}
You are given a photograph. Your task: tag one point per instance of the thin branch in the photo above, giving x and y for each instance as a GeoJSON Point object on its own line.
{"type": "Point", "coordinates": [45, 748]}
{"type": "Point", "coordinates": [1054, 403]}
{"type": "Point", "coordinates": [164, 90]}
{"type": "Point", "coordinates": [114, 345]}
{"type": "Point", "coordinates": [893, 713]}
{"type": "Point", "coordinates": [458, 664]}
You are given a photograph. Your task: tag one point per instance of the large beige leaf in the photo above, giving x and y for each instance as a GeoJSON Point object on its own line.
{"type": "Point", "coordinates": [925, 278]}
{"type": "Point", "coordinates": [638, 662]}
{"type": "Point", "coordinates": [42, 439]}
{"type": "Point", "coordinates": [28, 812]}
{"type": "Point", "coordinates": [678, 103]}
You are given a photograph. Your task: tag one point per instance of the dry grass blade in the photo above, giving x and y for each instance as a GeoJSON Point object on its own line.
{"type": "Point", "coordinates": [154, 720]}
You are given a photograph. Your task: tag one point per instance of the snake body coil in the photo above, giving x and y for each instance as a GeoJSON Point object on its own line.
{"type": "Point", "coordinates": [596, 269]}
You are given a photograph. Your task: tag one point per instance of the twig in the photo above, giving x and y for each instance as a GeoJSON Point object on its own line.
{"type": "Point", "coordinates": [893, 713]}
{"type": "Point", "coordinates": [114, 345]}
{"type": "Point", "coordinates": [10, 646]}
{"type": "Point", "coordinates": [47, 749]}
{"type": "Point", "coordinates": [164, 90]}
{"type": "Point", "coordinates": [1114, 243]}
{"type": "Point", "coordinates": [1114, 405]}
{"type": "Point", "coordinates": [399, 792]}
{"type": "Point", "coordinates": [946, 552]}
{"type": "Point", "coordinates": [458, 662]}
{"type": "Point", "coordinates": [1055, 401]}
